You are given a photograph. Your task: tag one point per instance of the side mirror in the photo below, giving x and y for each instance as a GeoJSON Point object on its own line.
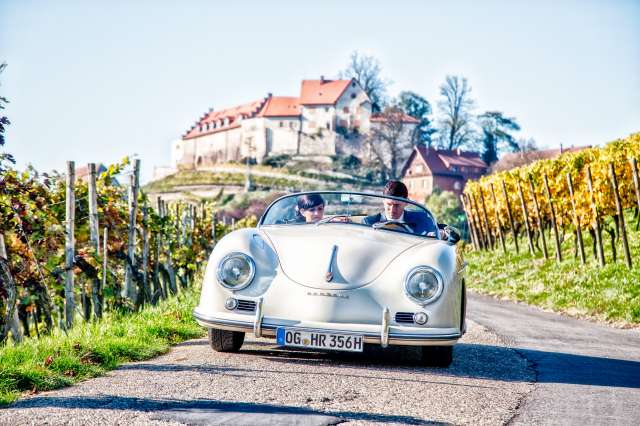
{"type": "Point", "coordinates": [449, 233]}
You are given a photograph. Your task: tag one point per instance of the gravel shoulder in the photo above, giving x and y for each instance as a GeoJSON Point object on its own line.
{"type": "Point", "coordinates": [265, 384]}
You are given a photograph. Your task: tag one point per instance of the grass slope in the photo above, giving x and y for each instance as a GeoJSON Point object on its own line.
{"type": "Point", "coordinates": [91, 349]}
{"type": "Point", "coordinates": [610, 294]}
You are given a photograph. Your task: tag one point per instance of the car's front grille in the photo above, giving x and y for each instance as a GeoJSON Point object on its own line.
{"type": "Point", "coordinates": [405, 317]}
{"type": "Point", "coordinates": [246, 305]}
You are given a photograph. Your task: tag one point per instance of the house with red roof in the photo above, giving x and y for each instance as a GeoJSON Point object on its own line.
{"type": "Point", "coordinates": [327, 118]}
{"type": "Point", "coordinates": [427, 169]}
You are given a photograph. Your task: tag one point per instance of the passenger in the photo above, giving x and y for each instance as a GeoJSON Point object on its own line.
{"type": "Point", "coordinates": [394, 210]}
{"type": "Point", "coordinates": [309, 208]}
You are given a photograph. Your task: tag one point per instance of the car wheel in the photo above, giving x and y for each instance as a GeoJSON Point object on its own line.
{"type": "Point", "coordinates": [437, 356]}
{"type": "Point", "coordinates": [225, 341]}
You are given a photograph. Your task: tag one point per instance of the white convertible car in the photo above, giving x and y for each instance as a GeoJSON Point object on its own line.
{"type": "Point", "coordinates": [330, 271]}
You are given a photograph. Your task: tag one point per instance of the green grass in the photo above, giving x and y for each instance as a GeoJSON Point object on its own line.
{"type": "Point", "coordinates": [91, 349]}
{"type": "Point", "coordinates": [193, 177]}
{"type": "Point", "coordinates": [610, 293]}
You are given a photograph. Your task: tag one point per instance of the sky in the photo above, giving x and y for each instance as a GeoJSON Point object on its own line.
{"type": "Point", "coordinates": [96, 81]}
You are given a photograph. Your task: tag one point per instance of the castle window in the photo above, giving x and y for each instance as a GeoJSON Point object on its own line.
{"type": "Point", "coordinates": [353, 84]}
{"type": "Point", "coordinates": [326, 109]}
{"type": "Point", "coordinates": [353, 96]}
{"type": "Point", "coordinates": [282, 124]}
{"type": "Point", "coordinates": [292, 125]}
{"type": "Point", "coordinates": [345, 109]}
{"type": "Point", "coordinates": [329, 126]}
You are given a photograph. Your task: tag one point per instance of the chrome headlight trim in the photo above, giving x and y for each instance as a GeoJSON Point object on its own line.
{"type": "Point", "coordinates": [252, 270]}
{"type": "Point", "coordinates": [435, 273]}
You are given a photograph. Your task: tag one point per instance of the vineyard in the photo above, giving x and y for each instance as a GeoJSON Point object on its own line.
{"type": "Point", "coordinates": [581, 209]}
{"type": "Point", "coordinates": [588, 190]}
{"type": "Point", "coordinates": [73, 249]}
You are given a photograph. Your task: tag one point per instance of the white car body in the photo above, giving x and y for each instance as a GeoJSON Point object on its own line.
{"type": "Point", "coordinates": [365, 294]}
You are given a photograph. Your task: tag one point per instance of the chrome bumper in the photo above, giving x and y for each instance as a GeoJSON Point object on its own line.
{"type": "Point", "coordinates": [261, 328]}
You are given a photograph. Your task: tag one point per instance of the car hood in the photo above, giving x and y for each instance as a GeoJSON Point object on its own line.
{"type": "Point", "coordinates": [361, 253]}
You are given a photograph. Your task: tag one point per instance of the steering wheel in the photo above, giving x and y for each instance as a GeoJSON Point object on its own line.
{"type": "Point", "coordinates": [339, 218]}
{"type": "Point", "coordinates": [393, 224]}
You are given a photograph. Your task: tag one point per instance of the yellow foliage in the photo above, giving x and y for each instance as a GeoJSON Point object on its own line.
{"type": "Point", "coordinates": [619, 152]}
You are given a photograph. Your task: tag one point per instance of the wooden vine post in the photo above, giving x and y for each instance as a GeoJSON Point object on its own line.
{"type": "Point", "coordinates": [476, 215]}
{"type": "Point", "coordinates": [129, 290]}
{"type": "Point", "coordinates": [471, 230]}
{"type": "Point", "coordinates": [596, 220]}
{"type": "Point", "coordinates": [525, 212]}
{"type": "Point", "coordinates": [576, 220]}
{"type": "Point", "coordinates": [156, 267]}
{"type": "Point", "coordinates": [498, 222]}
{"type": "Point", "coordinates": [486, 218]}
{"type": "Point", "coordinates": [510, 214]}
{"type": "Point", "coordinates": [636, 184]}
{"type": "Point", "coordinates": [539, 217]}
{"type": "Point", "coordinates": [145, 252]}
{"type": "Point", "coordinates": [94, 229]}
{"type": "Point", "coordinates": [105, 271]}
{"type": "Point", "coordinates": [214, 221]}
{"type": "Point", "coordinates": [553, 219]}
{"type": "Point", "coordinates": [9, 318]}
{"type": "Point", "coordinates": [474, 223]}
{"type": "Point", "coordinates": [623, 228]}
{"type": "Point", "coordinates": [69, 249]}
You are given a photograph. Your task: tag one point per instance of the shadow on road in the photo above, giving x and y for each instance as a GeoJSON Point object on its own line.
{"type": "Point", "coordinates": [167, 409]}
{"type": "Point", "coordinates": [470, 360]}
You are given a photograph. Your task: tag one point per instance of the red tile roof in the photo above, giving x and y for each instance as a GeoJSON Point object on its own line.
{"type": "Point", "coordinates": [379, 118]}
{"type": "Point", "coordinates": [205, 125]}
{"type": "Point", "coordinates": [440, 161]}
{"type": "Point", "coordinates": [322, 92]}
{"type": "Point", "coordinates": [281, 106]}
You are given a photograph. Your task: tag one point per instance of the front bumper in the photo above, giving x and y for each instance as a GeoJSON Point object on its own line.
{"type": "Point", "coordinates": [383, 334]}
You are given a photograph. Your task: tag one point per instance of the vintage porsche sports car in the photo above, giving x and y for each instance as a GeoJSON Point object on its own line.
{"type": "Point", "coordinates": [330, 271]}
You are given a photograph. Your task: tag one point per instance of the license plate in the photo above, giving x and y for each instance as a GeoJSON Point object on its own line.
{"type": "Point", "coordinates": [319, 340]}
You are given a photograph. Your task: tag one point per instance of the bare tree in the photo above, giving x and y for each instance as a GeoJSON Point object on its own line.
{"type": "Point", "coordinates": [390, 141]}
{"type": "Point", "coordinates": [367, 71]}
{"type": "Point", "coordinates": [455, 122]}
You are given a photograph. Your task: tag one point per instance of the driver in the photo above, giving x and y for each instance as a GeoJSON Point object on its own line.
{"type": "Point", "coordinates": [394, 210]}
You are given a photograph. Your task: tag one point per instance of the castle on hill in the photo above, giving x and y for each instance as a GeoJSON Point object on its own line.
{"type": "Point", "coordinates": [329, 117]}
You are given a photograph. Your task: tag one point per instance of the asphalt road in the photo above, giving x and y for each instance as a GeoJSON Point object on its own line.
{"type": "Point", "coordinates": [516, 365]}
{"type": "Point", "coordinates": [586, 373]}
{"type": "Point", "coordinates": [267, 385]}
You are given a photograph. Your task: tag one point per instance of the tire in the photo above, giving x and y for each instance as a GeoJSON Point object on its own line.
{"type": "Point", "coordinates": [225, 341]}
{"type": "Point", "coordinates": [437, 356]}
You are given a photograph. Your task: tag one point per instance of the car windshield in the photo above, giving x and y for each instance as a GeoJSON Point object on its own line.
{"type": "Point", "coordinates": [374, 211]}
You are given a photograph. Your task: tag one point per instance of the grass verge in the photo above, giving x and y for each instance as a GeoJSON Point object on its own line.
{"type": "Point", "coordinates": [201, 177]}
{"type": "Point", "coordinates": [91, 349]}
{"type": "Point", "coordinates": [610, 294]}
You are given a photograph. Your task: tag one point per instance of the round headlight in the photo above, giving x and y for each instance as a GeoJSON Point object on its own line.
{"type": "Point", "coordinates": [236, 271]}
{"type": "Point", "coordinates": [423, 285]}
